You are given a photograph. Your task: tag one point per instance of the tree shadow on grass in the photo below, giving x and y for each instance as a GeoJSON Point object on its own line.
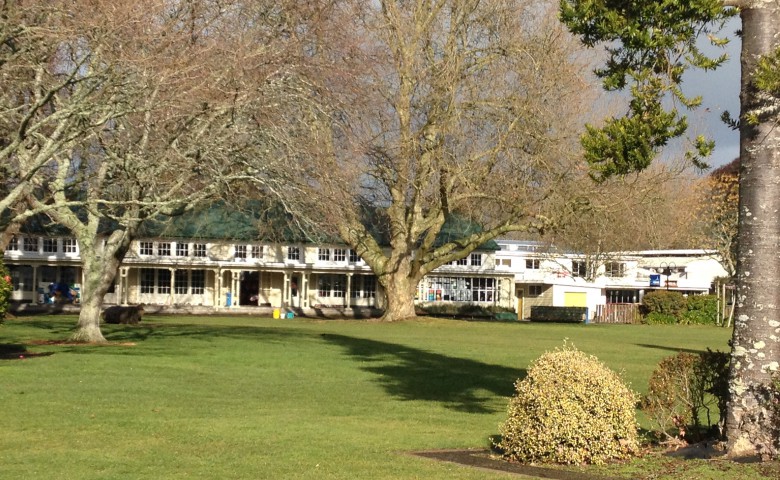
{"type": "Point", "coordinates": [127, 337]}
{"type": "Point", "coordinates": [671, 349]}
{"type": "Point", "coordinates": [413, 374]}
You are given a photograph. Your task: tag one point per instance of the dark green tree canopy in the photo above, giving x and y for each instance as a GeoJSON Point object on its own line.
{"type": "Point", "coordinates": [649, 45]}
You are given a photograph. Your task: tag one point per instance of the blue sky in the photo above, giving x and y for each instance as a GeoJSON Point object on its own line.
{"type": "Point", "coordinates": [720, 91]}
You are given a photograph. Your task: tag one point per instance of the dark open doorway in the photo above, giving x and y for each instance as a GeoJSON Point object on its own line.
{"type": "Point", "coordinates": [250, 286]}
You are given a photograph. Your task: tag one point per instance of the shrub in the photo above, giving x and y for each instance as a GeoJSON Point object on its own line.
{"type": "Point", "coordinates": [570, 409]}
{"type": "Point", "coordinates": [682, 390]}
{"type": "Point", "coordinates": [6, 288]}
{"type": "Point", "coordinates": [701, 309]}
{"type": "Point", "coordinates": [665, 302]}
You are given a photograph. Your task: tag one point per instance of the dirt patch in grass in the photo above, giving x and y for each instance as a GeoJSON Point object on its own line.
{"type": "Point", "coordinates": [658, 464]}
{"type": "Point", "coordinates": [484, 460]}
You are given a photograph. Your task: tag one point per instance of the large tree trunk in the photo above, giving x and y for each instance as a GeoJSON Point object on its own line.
{"type": "Point", "coordinates": [99, 270]}
{"type": "Point", "coordinates": [88, 327]}
{"type": "Point", "coordinates": [400, 285]}
{"type": "Point", "coordinates": [399, 298]}
{"type": "Point", "coordinates": [750, 429]}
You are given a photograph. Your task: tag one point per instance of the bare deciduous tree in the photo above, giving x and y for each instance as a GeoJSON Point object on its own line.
{"type": "Point", "coordinates": [178, 93]}
{"type": "Point", "coordinates": [439, 110]}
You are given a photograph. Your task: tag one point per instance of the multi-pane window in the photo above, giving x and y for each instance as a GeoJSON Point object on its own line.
{"type": "Point", "coordinates": [339, 254]}
{"type": "Point", "coordinates": [164, 249]}
{"type": "Point", "coordinates": [30, 244]}
{"type": "Point", "coordinates": [369, 286]}
{"type": "Point", "coordinates": [163, 281]}
{"type": "Point", "coordinates": [323, 286]}
{"type": "Point", "coordinates": [323, 254]}
{"type": "Point", "coordinates": [459, 289]}
{"type": "Point", "coordinates": [69, 245]}
{"type": "Point", "coordinates": [532, 264]}
{"type": "Point", "coordinates": [353, 256]}
{"type": "Point", "coordinates": [534, 290]}
{"type": "Point", "coordinates": [363, 286]}
{"type": "Point", "coordinates": [476, 259]}
{"type": "Point", "coordinates": [579, 268]}
{"type": "Point", "coordinates": [293, 253]}
{"type": "Point", "coordinates": [13, 244]}
{"type": "Point", "coordinates": [198, 282]}
{"type": "Point", "coordinates": [622, 296]}
{"type": "Point", "coordinates": [181, 282]}
{"type": "Point", "coordinates": [462, 261]}
{"type": "Point", "coordinates": [257, 251]}
{"type": "Point", "coordinates": [50, 245]}
{"type": "Point", "coordinates": [240, 251]}
{"type": "Point", "coordinates": [182, 249]}
{"type": "Point", "coordinates": [504, 262]}
{"type": "Point", "coordinates": [199, 250]}
{"type": "Point", "coordinates": [146, 248]}
{"type": "Point", "coordinates": [482, 289]}
{"type": "Point", "coordinates": [615, 269]}
{"type": "Point", "coordinates": [147, 280]}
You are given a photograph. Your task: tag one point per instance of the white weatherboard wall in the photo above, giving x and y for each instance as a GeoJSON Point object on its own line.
{"type": "Point", "coordinates": [594, 296]}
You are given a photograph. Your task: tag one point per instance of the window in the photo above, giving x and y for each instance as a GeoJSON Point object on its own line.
{"type": "Point", "coordinates": [198, 282]}
{"type": "Point", "coordinates": [146, 248]}
{"type": "Point", "coordinates": [69, 245]}
{"type": "Point", "coordinates": [534, 290]}
{"type": "Point", "coordinates": [164, 281]}
{"type": "Point", "coordinates": [182, 250]}
{"type": "Point", "coordinates": [240, 251]}
{"type": "Point", "coordinates": [147, 280]}
{"type": "Point", "coordinates": [293, 253]}
{"type": "Point", "coordinates": [458, 289]}
{"type": "Point", "coordinates": [13, 244]}
{"type": "Point", "coordinates": [338, 286]}
{"type": "Point", "coordinates": [476, 259]}
{"type": "Point", "coordinates": [363, 286]}
{"type": "Point", "coordinates": [339, 254]}
{"type": "Point", "coordinates": [164, 249]}
{"type": "Point", "coordinates": [482, 289]}
{"type": "Point", "coordinates": [615, 269]}
{"type": "Point", "coordinates": [504, 262]}
{"type": "Point", "coordinates": [30, 244]}
{"type": "Point", "coordinates": [22, 278]}
{"type": "Point", "coordinates": [50, 245]}
{"type": "Point", "coordinates": [532, 264]}
{"type": "Point", "coordinates": [199, 250]}
{"type": "Point", "coordinates": [181, 282]}
{"type": "Point", "coordinates": [462, 261]}
{"type": "Point", "coordinates": [579, 268]}
{"type": "Point", "coordinates": [323, 286]}
{"type": "Point", "coordinates": [354, 257]}
{"type": "Point", "coordinates": [257, 251]}
{"type": "Point", "coordinates": [622, 296]}
{"type": "Point", "coordinates": [323, 255]}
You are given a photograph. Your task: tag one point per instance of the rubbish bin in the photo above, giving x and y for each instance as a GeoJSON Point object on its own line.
{"type": "Point", "coordinates": [228, 299]}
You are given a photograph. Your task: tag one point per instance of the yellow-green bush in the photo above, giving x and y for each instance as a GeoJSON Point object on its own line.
{"type": "Point", "coordinates": [570, 409]}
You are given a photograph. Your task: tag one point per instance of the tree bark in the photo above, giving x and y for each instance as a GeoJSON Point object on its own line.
{"type": "Point", "coordinates": [750, 427]}
{"type": "Point", "coordinates": [99, 270]}
{"type": "Point", "coordinates": [400, 285]}
{"type": "Point", "coordinates": [399, 298]}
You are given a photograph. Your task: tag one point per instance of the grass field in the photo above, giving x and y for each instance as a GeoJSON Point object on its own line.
{"type": "Point", "coordinates": [241, 397]}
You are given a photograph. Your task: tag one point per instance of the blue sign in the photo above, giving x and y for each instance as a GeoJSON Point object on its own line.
{"type": "Point", "coordinates": [655, 280]}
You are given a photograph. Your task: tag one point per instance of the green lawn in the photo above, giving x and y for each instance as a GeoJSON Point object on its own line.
{"type": "Point", "coordinates": [241, 397]}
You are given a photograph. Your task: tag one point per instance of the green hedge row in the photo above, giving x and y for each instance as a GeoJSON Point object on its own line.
{"type": "Point", "coordinates": [663, 306]}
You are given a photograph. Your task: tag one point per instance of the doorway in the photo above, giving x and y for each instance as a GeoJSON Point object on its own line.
{"type": "Point", "coordinates": [250, 288]}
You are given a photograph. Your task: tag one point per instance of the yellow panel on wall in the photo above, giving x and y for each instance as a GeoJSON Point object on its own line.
{"type": "Point", "coordinates": [575, 299]}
